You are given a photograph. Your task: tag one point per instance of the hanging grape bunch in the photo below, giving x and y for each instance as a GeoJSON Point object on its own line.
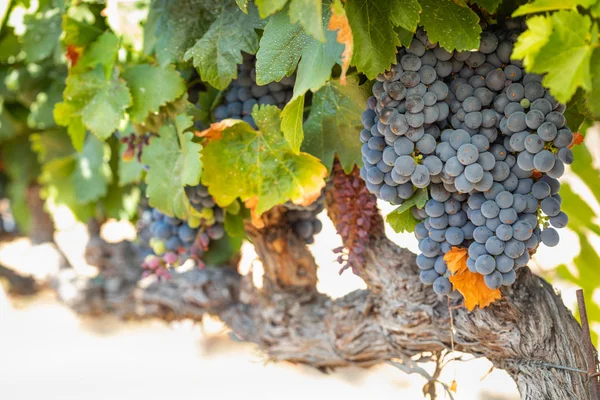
{"type": "Point", "coordinates": [303, 219]}
{"type": "Point", "coordinates": [174, 241]}
{"type": "Point", "coordinates": [243, 94]}
{"type": "Point", "coordinates": [485, 139]}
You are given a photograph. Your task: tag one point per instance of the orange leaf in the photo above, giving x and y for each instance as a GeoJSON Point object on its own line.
{"type": "Point", "coordinates": [256, 219]}
{"type": "Point", "coordinates": [339, 22]}
{"type": "Point", "coordinates": [577, 139]}
{"type": "Point", "coordinates": [456, 259]}
{"type": "Point", "coordinates": [216, 128]}
{"type": "Point", "coordinates": [471, 285]}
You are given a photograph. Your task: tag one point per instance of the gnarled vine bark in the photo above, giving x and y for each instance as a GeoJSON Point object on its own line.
{"type": "Point", "coordinates": [529, 333]}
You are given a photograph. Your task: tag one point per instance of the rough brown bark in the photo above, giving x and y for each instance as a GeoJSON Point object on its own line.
{"type": "Point", "coordinates": [41, 227]}
{"type": "Point", "coordinates": [286, 260]}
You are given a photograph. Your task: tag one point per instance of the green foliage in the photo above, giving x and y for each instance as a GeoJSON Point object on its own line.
{"type": "Point", "coordinates": [451, 24]}
{"type": "Point", "coordinates": [562, 45]}
{"type": "Point", "coordinates": [174, 161]}
{"type": "Point", "coordinates": [401, 219]}
{"type": "Point", "coordinates": [151, 87]}
{"type": "Point", "coordinates": [375, 39]}
{"type": "Point", "coordinates": [333, 123]}
{"type": "Point", "coordinates": [217, 54]}
{"type": "Point", "coordinates": [259, 166]}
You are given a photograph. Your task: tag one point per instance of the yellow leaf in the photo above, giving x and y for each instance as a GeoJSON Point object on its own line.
{"type": "Point", "coordinates": [453, 386]}
{"type": "Point", "coordinates": [339, 22]}
{"type": "Point", "coordinates": [471, 285]}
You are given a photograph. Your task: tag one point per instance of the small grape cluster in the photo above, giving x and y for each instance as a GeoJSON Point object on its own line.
{"type": "Point", "coordinates": [173, 241]}
{"type": "Point", "coordinates": [211, 216]}
{"type": "Point", "coordinates": [243, 94]}
{"type": "Point", "coordinates": [485, 139]}
{"type": "Point", "coordinates": [303, 219]}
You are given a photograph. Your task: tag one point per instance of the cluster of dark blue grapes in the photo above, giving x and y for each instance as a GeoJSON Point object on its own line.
{"type": "Point", "coordinates": [303, 219]}
{"type": "Point", "coordinates": [489, 149]}
{"type": "Point", "coordinates": [172, 241]}
{"type": "Point", "coordinates": [243, 94]}
{"type": "Point", "coordinates": [212, 217]}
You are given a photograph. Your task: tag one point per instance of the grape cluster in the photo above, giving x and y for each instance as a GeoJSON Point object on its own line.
{"type": "Point", "coordinates": [172, 241]}
{"type": "Point", "coordinates": [211, 216]}
{"type": "Point", "coordinates": [303, 219]}
{"type": "Point", "coordinates": [485, 139]}
{"type": "Point", "coordinates": [243, 94]}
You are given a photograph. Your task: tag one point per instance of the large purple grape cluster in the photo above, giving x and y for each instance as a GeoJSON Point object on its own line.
{"type": "Point", "coordinates": [485, 139]}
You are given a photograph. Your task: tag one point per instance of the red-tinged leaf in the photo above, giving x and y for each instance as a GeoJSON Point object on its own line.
{"type": "Point", "coordinates": [339, 22]}
{"type": "Point", "coordinates": [577, 139]}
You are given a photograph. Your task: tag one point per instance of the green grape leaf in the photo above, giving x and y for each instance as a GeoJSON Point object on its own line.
{"type": "Point", "coordinates": [51, 144]}
{"type": "Point", "coordinates": [333, 125]}
{"type": "Point", "coordinates": [405, 14]}
{"type": "Point", "coordinates": [59, 190]}
{"type": "Point", "coordinates": [106, 109]}
{"type": "Point", "coordinates": [453, 25]}
{"type": "Point", "coordinates": [94, 103]}
{"type": "Point", "coordinates": [401, 219]}
{"type": "Point", "coordinates": [565, 59]}
{"type": "Point", "coordinates": [375, 40]}
{"type": "Point", "coordinates": [593, 96]}
{"type": "Point", "coordinates": [174, 161]}
{"type": "Point", "coordinates": [584, 168]}
{"type": "Point", "coordinates": [178, 25]}
{"type": "Point", "coordinates": [259, 167]}
{"type": "Point", "coordinates": [83, 24]}
{"type": "Point", "coordinates": [551, 5]}
{"type": "Point", "coordinates": [130, 172]}
{"type": "Point", "coordinates": [283, 46]}
{"type": "Point", "coordinates": [41, 110]}
{"type": "Point", "coordinates": [291, 122]}
{"type": "Point", "coordinates": [21, 167]}
{"type": "Point", "coordinates": [121, 202]}
{"type": "Point", "coordinates": [103, 51]}
{"type": "Point", "coordinates": [577, 114]}
{"type": "Point", "coordinates": [66, 114]}
{"type": "Point", "coordinates": [92, 173]}
{"type": "Point", "coordinates": [269, 7]}
{"type": "Point", "coordinates": [489, 5]}
{"type": "Point", "coordinates": [218, 53]}
{"type": "Point", "coordinates": [243, 5]}
{"type": "Point", "coordinates": [220, 252]}
{"type": "Point", "coordinates": [42, 34]}
{"type": "Point", "coordinates": [577, 209]}
{"type": "Point", "coordinates": [151, 87]}
{"type": "Point", "coordinates": [531, 42]}
{"type": "Point", "coordinates": [308, 14]}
